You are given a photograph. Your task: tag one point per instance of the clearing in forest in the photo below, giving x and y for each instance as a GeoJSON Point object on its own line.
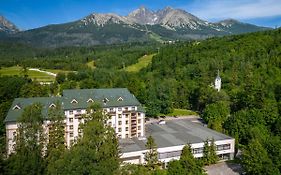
{"type": "Point", "coordinates": [142, 63]}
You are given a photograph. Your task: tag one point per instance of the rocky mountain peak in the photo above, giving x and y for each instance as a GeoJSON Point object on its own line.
{"type": "Point", "coordinates": [6, 26]}
{"type": "Point", "coordinates": [228, 22]}
{"type": "Point", "coordinates": [102, 19]}
{"type": "Point", "coordinates": [142, 16]}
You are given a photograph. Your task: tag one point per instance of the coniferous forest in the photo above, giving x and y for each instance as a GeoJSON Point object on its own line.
{"type": "Point", "coordinates": [181, 75]}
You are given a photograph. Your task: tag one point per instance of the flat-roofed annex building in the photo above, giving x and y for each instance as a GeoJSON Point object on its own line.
{"type": "Point", "coordinates": [171, 137]}
{"type": "Point", "coordinates": [127, 116]}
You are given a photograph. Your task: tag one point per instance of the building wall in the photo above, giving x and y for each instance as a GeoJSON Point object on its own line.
{"type": "Point", "coordinates": [167, 154]}
{"type": "Point", "coordinates": [121, 118]}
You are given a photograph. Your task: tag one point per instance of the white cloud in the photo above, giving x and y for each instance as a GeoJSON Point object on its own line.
{"type": "Point", "coordinates": [238, 9]}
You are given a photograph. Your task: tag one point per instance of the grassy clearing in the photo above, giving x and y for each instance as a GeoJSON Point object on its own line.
{"type": "Point", "coordinates": [180, 112]}
{"type": "Point", "coordinates": [91, 64]}
{"type": "Point", "coordinates": [17, 70]}
{"type": "Point", "coordinates": [156, 37]}
{"type": "Point", "coordinates": [142, 63]}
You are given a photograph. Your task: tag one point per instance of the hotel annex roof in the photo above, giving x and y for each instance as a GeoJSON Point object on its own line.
{"type": "Point", "coordinates": [174, 133]}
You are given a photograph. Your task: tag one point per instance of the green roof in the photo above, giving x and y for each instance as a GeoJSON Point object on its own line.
{"type": "Point", "coordinates": [106, 97]}
{"type": "Point", "coordinates": [113, 97]}
{"type": "Point", "coordinates": [14, 114]}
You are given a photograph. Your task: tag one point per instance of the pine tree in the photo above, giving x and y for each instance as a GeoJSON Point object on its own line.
{"type": "Point", "coordinates": [209, 152]}
{"type": "Point", "coordinates": [56, 144]}
{"type": "Point", "coordinates": [96, 152]}
{"type": "Point", "coordinates": [28, 156]}
{"type": "Point", "coordinates": [151, 156]}
{"type": "Point", "coordinates": [212, 152]}
{"type": "Point", "coordinates": [206, 156]}
{"type": "Point", "coordinates": [256, 161]}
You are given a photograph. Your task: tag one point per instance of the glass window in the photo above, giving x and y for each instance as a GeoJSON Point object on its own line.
{"type": "Point", "coordinates": [133, 108]}
{"type": "Point", "coordinates": [127, 122]}
{"type": "Point", "coordinates": [70, 120]}
{"type": "Point", "coordinates": [139, 120]}
{"type": "Point", "coordinates": [119, 109]}
{"type": "Point", "coordinates": [70, 112]}
{"type": "Point", "coordinates": [120, 122]}
{"type": "Point", "coordinates": [127, 128]}
{"type": "Point", "coordinates": [119, 129]}
{"type": "Point", "coordinates": [119, 116]}
{"type": "Point", "coordinates": [71, 127]}
{"type": "Point", "coordinates": [139, 127]}
{"type": "Point", "coordinates": [71, 134]}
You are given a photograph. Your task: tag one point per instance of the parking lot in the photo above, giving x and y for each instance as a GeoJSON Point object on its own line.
{"type": "Point", "coordinates": [224, 168]}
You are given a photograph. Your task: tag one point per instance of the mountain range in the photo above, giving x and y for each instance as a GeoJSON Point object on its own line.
{"type": "Point", "coordinates": [138, 26]}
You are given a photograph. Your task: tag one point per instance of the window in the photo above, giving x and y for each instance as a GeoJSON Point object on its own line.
{"type": "Point", "coordinates": [223, 147]}
{"type": "Point", "coordinates": [16, 107]}
{"type": "Point", "coordinates": [126, 109]}
{"type": "Point", "coordinates": [139, 127]}
{"type": "Point", "coordinates": [133, 108]}
{"type": "Point", "coordinates": [74, 101]}
{"type": "Point", "coordinates": [109, 123]}
{"type": "Point", "coordinates": [119, 116]}
{"type": "Point", "coordinates": [139, 134]}
{"type": "Point", "coordinates": [127, 135]}
{"type": "Point", "coordinates": [105, 100]}
{"type": "Point", "coordinates": [169, 154]}
{"type": "Point", "coordinates": [120, 99]}
{"type": "Point", "coordinates": [127, 115]}
{"type": "Point", "coordinates": [71, 142]}
{"type": "Point", "coordinates": [197, 150]}
{"type": "Point", "coordinates": [70, 112]}
{"type": "Point", "coordinates": [127, 128]}
{"type": "Point", "coordinates": [119, 109]}
{"type": "Point", "coordinates": [90, 100]}
{"type": "Point", "coordinates": [127, 122]}
{"type": "Point", "coordinates": [139, 120]}
{"type": "Point", "coordinates": [52, 105]}
{"type": "Point", "coordinates": [119, 129]}
{"type": "Point", "coordinates": [120, 123]}
{"type": "Point", "coordinates": [71, 134]}
{"type": "Point", "coordinates": [79, 120]}
{"type": "Point", "coordinates": [78, 111]}
{"type": "Point", "coordinates": [70, 120]}
{"type": "Point", "coordinates": [14, 134]}
{"type": "Point", "coordinates": [71, 127]}
{"type": "Point", "coordinates": [111, 110]}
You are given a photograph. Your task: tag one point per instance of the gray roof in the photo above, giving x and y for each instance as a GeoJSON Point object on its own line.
{"type": "Point", "coordinates": [173, 133]}
{"type": "Point", "coordinates": [81, 96]}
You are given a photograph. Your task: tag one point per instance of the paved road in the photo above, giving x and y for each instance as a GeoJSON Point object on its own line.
{"type": "Point", "coordinates": [224, 168]}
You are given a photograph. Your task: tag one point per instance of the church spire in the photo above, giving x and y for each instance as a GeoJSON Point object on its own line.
{"type": "Point", "coordinates": [218, 82]}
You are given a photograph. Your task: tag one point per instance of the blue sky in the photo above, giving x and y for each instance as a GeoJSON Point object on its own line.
{"type": "Point", "coordinates": [27, 14]}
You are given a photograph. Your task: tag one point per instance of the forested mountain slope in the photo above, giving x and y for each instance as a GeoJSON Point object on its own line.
{"type": "Point", "coordinates": [249, 105]}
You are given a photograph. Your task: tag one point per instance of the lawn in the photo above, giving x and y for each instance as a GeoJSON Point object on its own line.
{"type": "Point", "coordinates": [91, 64]}
{"type": "Point", "coordinates": [142, 63]}
{"type": "Point", "coordinates": [180, 112]}
{"type": "Point", "coordinates": [16, 70]}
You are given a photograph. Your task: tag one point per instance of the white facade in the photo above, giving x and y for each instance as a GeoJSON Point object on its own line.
{"type": "Point", "coordinates": [225, 151]}
{"type": "Point", "coordinates": [126, 121]}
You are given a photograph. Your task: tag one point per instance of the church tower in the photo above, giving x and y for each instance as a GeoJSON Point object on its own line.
{"type": "Point", "coordinates": [218, 82]}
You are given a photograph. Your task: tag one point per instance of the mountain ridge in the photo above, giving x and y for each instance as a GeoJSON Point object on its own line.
{"type": "Point", "coordinates": [140, 25]}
